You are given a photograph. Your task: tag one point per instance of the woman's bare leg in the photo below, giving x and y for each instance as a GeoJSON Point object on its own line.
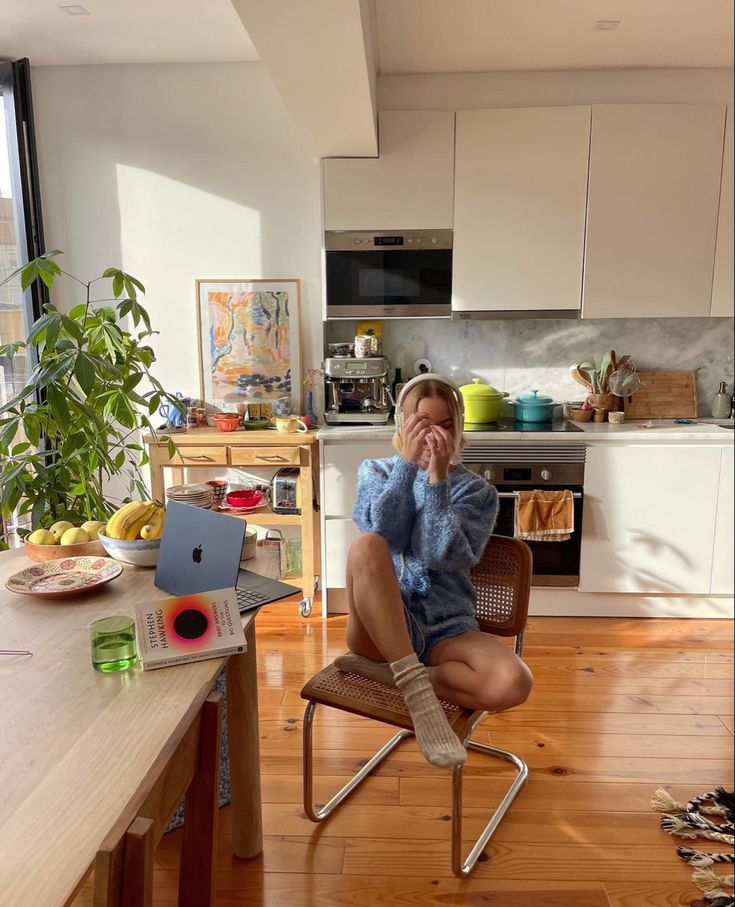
{"type": "Point", "coordinates": [475, 671]}
{"type": "Point", "coordinates": [376, 628]}
{"type": "Point", "coordinates": [376, 625]}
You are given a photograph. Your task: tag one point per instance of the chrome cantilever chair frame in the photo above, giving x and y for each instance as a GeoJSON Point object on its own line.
{"type": "Point", "coordinates": [502, 579]}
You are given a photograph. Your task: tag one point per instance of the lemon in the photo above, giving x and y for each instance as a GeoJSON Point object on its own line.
{"type": "Point", "coordinates": [42, 537]}
{"type": "Point", "coordinates": [92, 528]}
{"type": "Point", "coordinates": [58, 529]}
{"type": "Point", "coordinates": [74, 537]}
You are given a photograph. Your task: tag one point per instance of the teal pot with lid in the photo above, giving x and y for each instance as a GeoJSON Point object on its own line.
{"type": "Point", "coordinates": [533, 407]}
{"type": "Point", "coordinates": [481, 402]}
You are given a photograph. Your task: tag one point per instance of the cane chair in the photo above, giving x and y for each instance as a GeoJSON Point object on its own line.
{"type": "Point", "coordinates": [502, 579]}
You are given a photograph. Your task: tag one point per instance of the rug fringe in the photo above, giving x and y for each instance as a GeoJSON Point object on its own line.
{"type": "Point", "coordinates": [708, 880]}
{"type": "Point", "coordinates": [663, 802]}
{"type": "Point", "coordinates": [697, 858]}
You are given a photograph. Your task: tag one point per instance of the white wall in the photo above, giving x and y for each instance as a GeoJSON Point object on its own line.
{"type": "Point", "coordinates": [468, 91]}
{"type": "Point", "coordinates": [175, 172]}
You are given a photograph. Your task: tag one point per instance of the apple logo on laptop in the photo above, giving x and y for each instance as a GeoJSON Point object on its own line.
{"type": "Point", "coordinates": [196, 554]}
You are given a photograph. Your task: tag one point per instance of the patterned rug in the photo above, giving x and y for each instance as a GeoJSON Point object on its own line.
{"type": "Point", "coordinates": [710, 817]}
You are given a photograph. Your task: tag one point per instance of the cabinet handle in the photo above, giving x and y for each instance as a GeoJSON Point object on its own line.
{"type": "Point", "coordinates": [275, 458]}
{"type": "Point", "coordinates": [195, 457]}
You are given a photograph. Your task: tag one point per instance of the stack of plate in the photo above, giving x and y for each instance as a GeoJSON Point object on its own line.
{"type": "Point", "coordinates": [196, 495]}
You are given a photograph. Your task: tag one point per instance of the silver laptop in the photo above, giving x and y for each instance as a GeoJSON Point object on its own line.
{"type": "Point", "coordinates": [200, 551]}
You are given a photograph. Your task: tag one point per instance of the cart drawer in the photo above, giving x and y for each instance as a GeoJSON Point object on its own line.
{"type": "Point", "coordinates": [195, 456]}
{"type": "Point", "coordinates": [265, 456]}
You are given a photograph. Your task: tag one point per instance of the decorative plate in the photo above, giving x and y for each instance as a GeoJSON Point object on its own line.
{"type": "Point", "coordinates": [64, 578]}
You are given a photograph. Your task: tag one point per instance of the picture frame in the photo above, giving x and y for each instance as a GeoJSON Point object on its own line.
{"type": "Point", "coordinates": [249, 340]}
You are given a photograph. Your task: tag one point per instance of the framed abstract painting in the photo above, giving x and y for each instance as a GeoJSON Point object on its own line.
{"type": "Point", "coordinates": [250, 342]}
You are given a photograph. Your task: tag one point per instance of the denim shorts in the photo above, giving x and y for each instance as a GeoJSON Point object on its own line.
{"type": "Point", "coordinates": [425, 634]}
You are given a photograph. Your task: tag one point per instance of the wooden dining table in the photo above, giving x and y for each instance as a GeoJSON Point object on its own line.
{"type": "Point", "coordinates": [76, 744]}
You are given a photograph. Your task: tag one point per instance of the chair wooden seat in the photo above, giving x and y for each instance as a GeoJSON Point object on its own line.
{"type": "Point", "coordinates": [503, 582]}
{"type": "Point", "coordinates": [371, 699]}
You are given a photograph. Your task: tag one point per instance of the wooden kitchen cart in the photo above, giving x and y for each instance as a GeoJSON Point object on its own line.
{"type": "Point", "coordinates": [210, 448]}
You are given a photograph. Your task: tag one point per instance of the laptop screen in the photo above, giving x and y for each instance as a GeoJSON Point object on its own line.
{"type": "Point", "coordinates": [200, 550]}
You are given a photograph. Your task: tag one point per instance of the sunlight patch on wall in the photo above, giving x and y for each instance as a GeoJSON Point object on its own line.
{"type": "Point", "coordinates": [170, 235]}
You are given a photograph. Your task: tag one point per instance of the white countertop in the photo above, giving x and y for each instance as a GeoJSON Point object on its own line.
{"type": "Point", "coordinates": [632, 432]}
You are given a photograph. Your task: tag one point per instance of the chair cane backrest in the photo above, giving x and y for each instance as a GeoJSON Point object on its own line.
{"type": "Point", "coordinates": [502, 579]}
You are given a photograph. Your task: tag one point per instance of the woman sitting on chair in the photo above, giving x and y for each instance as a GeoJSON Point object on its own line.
{"type": "Point", "coordinates": [425, 521]}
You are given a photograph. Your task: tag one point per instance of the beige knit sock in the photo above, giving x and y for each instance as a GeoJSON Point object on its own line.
{"type": "Point", "coordinates": [365, 667]}
{"type": "Point", "coordinates": [434, 735]}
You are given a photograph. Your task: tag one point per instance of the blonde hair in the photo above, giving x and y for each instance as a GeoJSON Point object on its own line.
{"type": "Point", "coordinates": [432, 388]}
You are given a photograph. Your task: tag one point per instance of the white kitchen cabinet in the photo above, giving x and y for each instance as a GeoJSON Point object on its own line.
{"type": "Point", "coordinates": [723, 285]}
{"type": "Point", "coordinates": [340, 534]}
{"type": "Point", "coordinates": [409, 186]}
{"type": "Point", "coordinates": [653, 207]}
{"type": "Point", "coordinates": [340, 462]}
{"type": "Point", "coordinates": [649, 518]}
{"type": "Point", "coordinates": [723, 581]}
{"type": "Point", "coordinates": [519, 209]}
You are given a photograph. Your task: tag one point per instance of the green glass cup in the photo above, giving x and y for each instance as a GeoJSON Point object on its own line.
{"type": "Point", "coordinates": [112, 640]}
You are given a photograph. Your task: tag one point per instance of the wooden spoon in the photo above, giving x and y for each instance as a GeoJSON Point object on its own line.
{"type": "Point", "coordinates": [580, 379]}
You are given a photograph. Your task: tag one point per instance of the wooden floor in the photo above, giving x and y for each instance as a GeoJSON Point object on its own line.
{"type": "Point", "coordinates": [619, 707]}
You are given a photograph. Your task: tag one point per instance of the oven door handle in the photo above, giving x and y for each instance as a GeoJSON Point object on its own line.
{"type": "Point", "coordinates": [514, 494]}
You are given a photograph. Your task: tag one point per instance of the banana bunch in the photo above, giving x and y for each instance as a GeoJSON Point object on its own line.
{"type": "Point", "coordinates": [153, 529]}
{"type": "Point", "coordinates": [138, 519]}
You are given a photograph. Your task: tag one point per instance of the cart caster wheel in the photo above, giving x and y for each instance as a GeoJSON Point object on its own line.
{"type": "Point", "coordinates": [305, 607]}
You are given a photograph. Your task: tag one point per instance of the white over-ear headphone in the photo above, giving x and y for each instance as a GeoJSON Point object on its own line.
{"type": "Point", "coordinates": [429, 376]}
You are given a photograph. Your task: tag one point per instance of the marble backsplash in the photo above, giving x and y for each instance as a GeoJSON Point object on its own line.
{"type": "Point", "coordinates": [517, 355]}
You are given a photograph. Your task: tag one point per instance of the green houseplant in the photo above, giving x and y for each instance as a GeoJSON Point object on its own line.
{"type": "Point", "coordinates": [76, 423]}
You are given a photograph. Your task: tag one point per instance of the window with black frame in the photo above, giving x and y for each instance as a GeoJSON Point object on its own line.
{"type": "Point", "coordinates": [21, 228]}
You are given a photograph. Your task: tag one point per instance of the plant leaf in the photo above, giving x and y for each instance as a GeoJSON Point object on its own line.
{"type": "Point", "coordinates": [28, 274]}
{"type": "Point", "coordinates": [118, 283]}
{"type": "Point", "coordinates": [38, 329]}
{"type": "Point", "coordinates": [84, 372]}
{"type": "Point", "coordinates": [72, 327]}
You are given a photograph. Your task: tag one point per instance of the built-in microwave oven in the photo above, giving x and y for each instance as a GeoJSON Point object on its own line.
{"type": "Point", "coordinates": [389, 274]}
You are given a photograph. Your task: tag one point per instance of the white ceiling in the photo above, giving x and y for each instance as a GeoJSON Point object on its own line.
{"type": "Point", "coordinates": [412, 35]}
{"type": "Point", "coordinates": [123, 31]}
{"type": "Point", "coordinates": [421, 36]}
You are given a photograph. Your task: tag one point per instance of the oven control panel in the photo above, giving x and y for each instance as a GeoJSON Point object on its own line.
{"type": "Point", "coordinates": [519, 475]}
{"type": "Point", "coordinates": [502, 474]}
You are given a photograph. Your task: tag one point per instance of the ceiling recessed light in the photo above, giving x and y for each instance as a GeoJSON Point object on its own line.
{"type": "Point", "coordinates": [606, 24]}
{"type": "Point", "coordinates": [75, 10]}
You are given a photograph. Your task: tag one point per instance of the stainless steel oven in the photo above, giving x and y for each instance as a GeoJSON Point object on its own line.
{"type": "Point", "coordinates": [514, 467]}
{"type": "Point", "coordinates": [389, 274]}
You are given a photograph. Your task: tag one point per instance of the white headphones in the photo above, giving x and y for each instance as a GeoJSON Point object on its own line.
{"type": "Point", "coordinates": [429, 376]}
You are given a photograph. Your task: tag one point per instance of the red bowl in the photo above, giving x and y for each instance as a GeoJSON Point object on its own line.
{"type": "Point", "coordinates": [247, 497]}
{"type": "Point", "coordinates": [227, 422]}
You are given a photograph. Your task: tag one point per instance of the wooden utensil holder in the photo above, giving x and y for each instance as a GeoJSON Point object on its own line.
{"type": "Point", "coordinates": [602, 401]}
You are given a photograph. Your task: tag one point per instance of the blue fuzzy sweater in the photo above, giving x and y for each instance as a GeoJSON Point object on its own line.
{"type": "Point", "coordinates": [435, 532]}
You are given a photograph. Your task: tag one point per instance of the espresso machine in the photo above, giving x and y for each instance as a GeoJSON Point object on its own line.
{"type": "Point", "coordinates": [356, 391]}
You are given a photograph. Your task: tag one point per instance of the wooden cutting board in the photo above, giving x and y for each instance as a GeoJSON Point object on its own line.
{"type": "Point", "coordinates": [664, 395]}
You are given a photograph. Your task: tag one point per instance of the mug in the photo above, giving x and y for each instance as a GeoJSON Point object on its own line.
{"type": "Point", "coordinates": [362, 347]}
{"type": "Point", "coordinates": [290, 424]}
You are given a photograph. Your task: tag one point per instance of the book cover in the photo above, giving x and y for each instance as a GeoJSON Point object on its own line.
{"type": "Point", "coordinates": [188, 628]}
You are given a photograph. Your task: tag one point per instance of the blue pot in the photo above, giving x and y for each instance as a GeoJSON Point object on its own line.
{"type": "Point", "coordinates": [533, 407]}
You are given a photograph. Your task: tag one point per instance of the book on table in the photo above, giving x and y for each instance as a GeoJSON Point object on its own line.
{"type": "Point", "coordinates": [188, 628]}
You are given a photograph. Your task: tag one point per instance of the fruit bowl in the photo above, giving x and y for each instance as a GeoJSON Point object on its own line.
{"type": "Point", "coordinates": [42, 553]}
{"type": "Point", "coordinates": [138, 552]}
